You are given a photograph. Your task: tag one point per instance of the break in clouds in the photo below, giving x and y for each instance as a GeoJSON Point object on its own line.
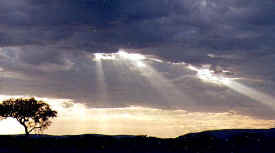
{"type": "Point", "coordinates": [47, 49]}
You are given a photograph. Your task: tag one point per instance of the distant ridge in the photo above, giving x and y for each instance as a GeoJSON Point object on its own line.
{"type": "Point", "coordinates": [216, 141]}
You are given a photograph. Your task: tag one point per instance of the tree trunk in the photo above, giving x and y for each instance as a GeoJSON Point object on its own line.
{"type": "Point", "coordinates": [27, 133]}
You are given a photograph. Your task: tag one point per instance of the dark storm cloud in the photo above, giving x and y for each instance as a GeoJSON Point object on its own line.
{"type": "Point", "coordinates": [110, 24]}
{"type": "Point", "coordinates": [50, 40]}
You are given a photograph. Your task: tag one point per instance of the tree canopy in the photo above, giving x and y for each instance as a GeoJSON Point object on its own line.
{"type": "Point", "coordinates": [32, 114]}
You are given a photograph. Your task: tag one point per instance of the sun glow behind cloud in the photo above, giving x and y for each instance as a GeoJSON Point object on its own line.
{"type": "Point", "coordinates": [122, 55]}
{"type": "Point", "coordinates": [207, 75]}
{"type": "Point", "coordinates": [131, 56]}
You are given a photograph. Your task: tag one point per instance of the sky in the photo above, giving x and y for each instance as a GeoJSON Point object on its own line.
{"type": "Point", "coordinates": [147, 63]}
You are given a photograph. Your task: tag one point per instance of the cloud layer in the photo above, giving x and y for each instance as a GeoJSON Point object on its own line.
{"type": "Point", "coordinates": [45, 50]}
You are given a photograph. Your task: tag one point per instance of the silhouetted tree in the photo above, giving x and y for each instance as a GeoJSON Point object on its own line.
{"type": "Point", "coordinates": [30, 113]}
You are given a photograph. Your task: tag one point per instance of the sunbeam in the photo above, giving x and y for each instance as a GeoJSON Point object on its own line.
{"type": "Point", "coordinates": [252, 93]}
{"type": "Point", "coordinates": [209, 76]}
{"type": "Point", "coordinates": [134, 64]}
{"type": "Point", "coordinates": [100, 80]}
{"type": "Point", "coordinates": [164, 86]}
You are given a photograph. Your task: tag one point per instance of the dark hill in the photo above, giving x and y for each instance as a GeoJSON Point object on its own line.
{"type": "Point", "coordinates": [221, 141]}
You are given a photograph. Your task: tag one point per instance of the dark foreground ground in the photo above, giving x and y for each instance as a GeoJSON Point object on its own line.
{"type": "Point", "coordinates": [222, 141]}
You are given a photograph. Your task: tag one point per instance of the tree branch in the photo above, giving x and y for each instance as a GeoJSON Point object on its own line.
{"type": "Point", "coordinates": [34, 128]}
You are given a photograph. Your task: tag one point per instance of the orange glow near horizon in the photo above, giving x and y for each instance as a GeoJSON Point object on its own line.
{"type": "Point", "coordinates": [75, 118]}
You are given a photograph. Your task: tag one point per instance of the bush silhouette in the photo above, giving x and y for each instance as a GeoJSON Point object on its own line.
{"type": "Point", "coordinates": [33, 115]}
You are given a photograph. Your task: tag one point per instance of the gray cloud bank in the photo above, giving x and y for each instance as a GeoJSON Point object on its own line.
{"type": "Point", "coordinates": [45, 46]}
